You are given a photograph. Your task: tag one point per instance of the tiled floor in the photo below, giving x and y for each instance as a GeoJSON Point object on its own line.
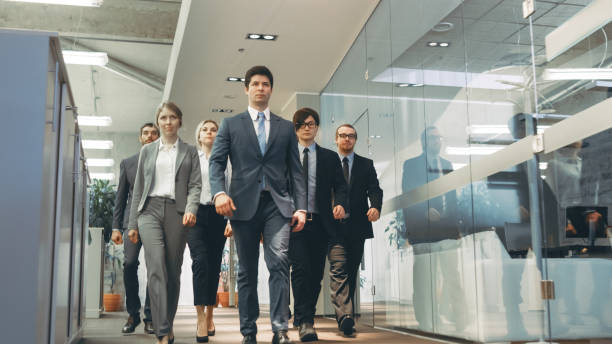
{"type": "Point", "coordinates": [107, 330]}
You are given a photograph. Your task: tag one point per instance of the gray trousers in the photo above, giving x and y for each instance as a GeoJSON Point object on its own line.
{"type": "Point", "coordinates": [163, 238]}
{"type": "Point", "coordinates": [275, 229]}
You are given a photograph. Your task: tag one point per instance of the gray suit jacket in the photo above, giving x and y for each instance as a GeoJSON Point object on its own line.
{"type": "Point", "coordinates": [280, 165]}
{"type": "Point", "coordinates": [123, 200]}
{"type": "Point", "coordinates": [188, 179]}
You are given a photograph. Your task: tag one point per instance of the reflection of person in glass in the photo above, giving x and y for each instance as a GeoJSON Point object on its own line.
{"type": "Point", "coordinates": [429, 222]}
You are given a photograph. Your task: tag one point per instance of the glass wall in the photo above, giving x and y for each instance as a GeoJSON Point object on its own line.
{"type": "Point", "coordinates": [497, 184]}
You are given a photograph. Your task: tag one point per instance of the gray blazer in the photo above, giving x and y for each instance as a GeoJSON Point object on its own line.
{"type": "Point", "coordinates": [188, 182]}
{"type": "Point", "coordinates": [280, 165]}
{"type": "Point", "coordinates": [123, 200]}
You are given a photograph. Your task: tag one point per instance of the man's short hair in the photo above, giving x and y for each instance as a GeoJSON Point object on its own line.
{"type": "Point", "coordinates": [302, 114]}
{"type": "Point", "coordinates": [149, 124]}
{"type": "Point", "coordinates": [172, 107]}
{"type": "Point", "coordinates": [346, 125]}
{"type": "Point", "coordinates": [258, 70]}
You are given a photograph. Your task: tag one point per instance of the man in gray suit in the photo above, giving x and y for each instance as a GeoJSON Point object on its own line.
{"type": "Point", "coordinates": [121, 216]}
{"type": "Point", "coordinates": [267, 187]}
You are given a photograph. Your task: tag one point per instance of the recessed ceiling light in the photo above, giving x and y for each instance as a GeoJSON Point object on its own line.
{"type": "Point", "coordinates": [444, 44]}
{"type": "Point", "coordinates": [262, 36]}
{"type": "Point", "coordinates": [443, 27]}
{"type": "Point", "coordinates": [94, 121]}
{"type": "Point", "coordinates": [409, 85]}
{"type": "Point", "coordinates": [432, 44]}
{"type": "Point", "coordinates": [97, 144]}
{"type": "Point", "coordinates": [404, 85]}
{"type": "Point", "coordinates": [234, 79]}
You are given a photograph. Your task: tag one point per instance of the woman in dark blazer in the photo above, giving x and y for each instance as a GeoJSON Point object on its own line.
{"type": "Point", "coordinates": [206, 239]}
{"type": "Point", "coordinates": [165, 200]}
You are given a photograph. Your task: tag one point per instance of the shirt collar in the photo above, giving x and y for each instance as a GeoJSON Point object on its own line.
{"type": "Point", "coordinates": [161, 144]}
{"type": "Point", "coordinates": [254, 112]}
{"type": "Point", "coordinates": [202, 154]}
{"type": "Point", "coordinates": [311, 148]}
{"type": "Point", "coordinates": [350, 156]}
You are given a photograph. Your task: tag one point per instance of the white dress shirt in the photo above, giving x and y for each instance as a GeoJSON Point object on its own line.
{"type": "Point", "coordinates": [205, 196]}
{"type": "Point", "coordinates": [253, 113]}
{"type": "Point", "coordinates": [163, 181]}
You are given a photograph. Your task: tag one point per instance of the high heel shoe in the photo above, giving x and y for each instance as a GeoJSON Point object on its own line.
{"type": "Point", "coordinates": [202, 339]}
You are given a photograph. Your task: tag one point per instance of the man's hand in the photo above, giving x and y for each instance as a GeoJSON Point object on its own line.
{"type": "Point", "coordinates": [228, 230]}
{"type": "Point", "coordinates": [189, 220]}
{"type": "Point", "coordinates": [133, 236]}
{"type": "Point", "coordinates": [117, 237]}
{"type": "Point", "coordinates": [338, 212]}
{"type": "Point", "coordinates": [373, 214]}
{"type": "Point", "coordinates": [297, 221]}
{"type": "Point", "coordinates": [224, 205]}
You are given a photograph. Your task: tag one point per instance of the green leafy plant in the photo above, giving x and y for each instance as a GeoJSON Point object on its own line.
{"type": "Point", "coordinates": [394, 230]}
{"type": "Point", "coordinates": [101, 203]}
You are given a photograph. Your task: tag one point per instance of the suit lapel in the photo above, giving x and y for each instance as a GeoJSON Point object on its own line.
{"type": "Point", "coordinates": [150, 164]}
{"type": "Point", "coordinates": [249, 129]}
{"type": "Point", "coordinates": [181, 151]}
{"type": "Point", "coordinates": [274, 127]}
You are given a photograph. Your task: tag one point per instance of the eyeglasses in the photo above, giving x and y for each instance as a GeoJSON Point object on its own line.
{"type": "Point", "coordinates": [350, 136]}
{"type": "Point", "coordinates": [308, 124]}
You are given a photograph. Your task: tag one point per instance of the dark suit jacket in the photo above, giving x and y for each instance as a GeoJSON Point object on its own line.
{"type": "Point", "coordinates": [330, 181]}
{"type": "Point", "coordinates": [418, 227]}
{"type": "Point", "coordinates": [123, 200]}
{"type": "Point", "coordinates": [362, 186]}
{"type": "Point", "coordinates": [280, 164]}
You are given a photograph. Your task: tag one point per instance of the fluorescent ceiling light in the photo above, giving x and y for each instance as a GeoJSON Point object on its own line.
{"type": "Point", "coordinates": [100, 162]}
{"type": "Point", "coordinates": [105, 176]}
{"type": "Point", "coordinates": [89, 58]}
{"type": "Point", "coordinates": [94, 121]}
{"type": "Point", "coordinates": [87, 3]}
{"type": "Point", "coordinates": [431, 77]}
{"type": "Point", "coordinates": [473, 150]}
{"type": "Point", "coordinates": [254, 36]}
{"type": "Point", "coordinates": [577, 74]}
{"type": "Point", "coordinates": [269, 37]}
{"type": "Point", "coordinates": [97, 144]}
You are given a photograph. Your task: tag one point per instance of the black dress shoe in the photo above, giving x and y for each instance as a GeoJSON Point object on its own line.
{"type": "Point", "coordinates": [281, 337]}
{"type": "Point", "coordinates": [249, 339]}
{"type": "Point", "coordinates": [347, 325]}
{"type": "Point", "coordinates": [148, 328]}
{"type": "Point", "coordinates": [130, 324]}
{"type": "Point", "coordinates": [307, 333]}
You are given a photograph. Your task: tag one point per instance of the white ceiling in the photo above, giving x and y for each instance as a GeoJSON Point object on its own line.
{"type": "Point", "coordinates": [313, 37]}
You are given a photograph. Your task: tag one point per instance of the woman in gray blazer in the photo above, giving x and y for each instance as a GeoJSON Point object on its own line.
{"type": "Point", "coordinates": [165, 200]}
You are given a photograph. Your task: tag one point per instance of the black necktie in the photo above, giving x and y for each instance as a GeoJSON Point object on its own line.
{"type": "Point", "coordinates": [305, 168]}
{"type": "Point", "coordinates": [345, 169]}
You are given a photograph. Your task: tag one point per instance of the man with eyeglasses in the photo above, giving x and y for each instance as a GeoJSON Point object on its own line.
{"type": "Point", "coordinates": [308, 248]}
{"type": "Point", "coordinates": [356, 226]}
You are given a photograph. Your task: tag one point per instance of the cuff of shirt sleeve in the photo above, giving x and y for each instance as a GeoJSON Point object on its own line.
{"type": "Point", "coordinates": [217, 194]}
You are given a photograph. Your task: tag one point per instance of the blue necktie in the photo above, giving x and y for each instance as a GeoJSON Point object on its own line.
{"type": "Point", "coordinates": [261, 132]}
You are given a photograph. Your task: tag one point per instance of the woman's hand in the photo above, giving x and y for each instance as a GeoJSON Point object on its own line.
{"type": "Point", "coordinates": [228, 230]}
{"type": "Point", "coordinates": [189, 220]}
{"type": "Point", "coordinates": [133, 236]}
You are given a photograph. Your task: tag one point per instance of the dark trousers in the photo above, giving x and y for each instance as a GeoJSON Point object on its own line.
{"type": "Point", "coordinates": [344, 254]}
{"type": "Point", "coordinates": [130, 280]}
{"type": "Point", "coordinates": [206, 243]}
{"type": "Point", "coordinates": [307, 250]}
{"type": "Point", "coordinates": [268, 221]}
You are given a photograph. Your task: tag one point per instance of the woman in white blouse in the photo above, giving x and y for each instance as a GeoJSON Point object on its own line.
{"type": "Point", "coordinates": [165, 200]}
{"type": "Point", "coordinates": [206, 240]}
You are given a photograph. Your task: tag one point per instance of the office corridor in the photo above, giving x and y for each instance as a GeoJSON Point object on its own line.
{"type": "Point", "coordinates": [107, 330]}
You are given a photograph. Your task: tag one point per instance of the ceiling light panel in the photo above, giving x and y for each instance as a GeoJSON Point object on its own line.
{"type": "Point", "coordinates": [97, 144]}
{"type": "Point", "coordinates": [234, 79]}
{"type": "Point", "coordinates": [89, 58]}
{"type": "Point", "coordinates": [86, 3]}
{"type": "Point", "coordinates": [94, 121]}
{"type": "Point", "coordinates": [100, 162]}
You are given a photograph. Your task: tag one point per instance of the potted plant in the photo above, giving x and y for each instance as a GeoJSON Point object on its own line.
{"type": "Point", "coordinates": [101, 203]}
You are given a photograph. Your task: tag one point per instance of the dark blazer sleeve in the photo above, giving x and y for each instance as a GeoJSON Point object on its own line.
{"type": "Point", "coordinates": [123, 189]}
{"type": "Point", "coordinates": [297, 174]}
{"type": "Point", "coordinates": [138, 190]}
{"type": "Point", "coordinates": [218, 160]}
{"type": "Point", "coordinates": [375, 193]}
{"type": "Point", "coordinates": [339, 186]}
